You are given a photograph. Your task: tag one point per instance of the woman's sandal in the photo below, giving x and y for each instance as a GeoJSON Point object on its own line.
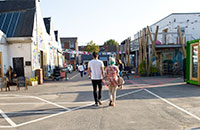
{"type": "Point", "coordinates": [110, 103]}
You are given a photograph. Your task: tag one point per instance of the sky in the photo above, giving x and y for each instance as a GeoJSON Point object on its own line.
{"type": "Point", "coordinates": [101, 20]}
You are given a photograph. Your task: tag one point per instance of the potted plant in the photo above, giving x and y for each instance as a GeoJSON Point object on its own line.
{"type": "Point", "coordinates": [33, 81]}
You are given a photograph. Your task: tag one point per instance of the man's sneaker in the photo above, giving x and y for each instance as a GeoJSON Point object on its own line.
{"type": "Point", "coordinates": [96, 104]}
{"type": "Point", "coordinates": [100, 103]}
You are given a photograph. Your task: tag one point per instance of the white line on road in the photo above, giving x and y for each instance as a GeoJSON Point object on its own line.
{"type": "Point", "coordinates": [7, 119]}
{"type": "Point", "coordinates": [50, 102]}
{"type": "Point", "coordinates": [74, 76]}
{"type": "Point", "coordinates": [66, 110]}
{"type": "Point", "coordinates": [177, 107]}
{"type": "Point", "coordinates": [38, 103]}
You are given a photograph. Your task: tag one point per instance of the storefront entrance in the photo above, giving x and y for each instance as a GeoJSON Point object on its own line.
{"type": "Point", "coordinates": [193, 62]}
{"type": "Point", "coordinates": [18, 66]}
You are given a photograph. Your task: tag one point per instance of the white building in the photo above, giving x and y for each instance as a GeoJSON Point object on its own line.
{"type": "Point", "coordinates": [29, 44]}
{"type": "Point", "coordinates": [3, 54]}
{"type": "Point", "coordinates": [168, 43]}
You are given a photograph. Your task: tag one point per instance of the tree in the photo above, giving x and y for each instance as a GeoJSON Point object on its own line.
{"type": "Point", "coordinates": [92, 47]}
{"type": "Point", "coordinates": [111, 42]}
{"type": "Point", "coordinates": [111, 45]}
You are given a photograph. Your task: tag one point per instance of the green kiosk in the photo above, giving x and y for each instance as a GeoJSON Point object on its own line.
{"type": "Point", "coordinates": [193, 62]}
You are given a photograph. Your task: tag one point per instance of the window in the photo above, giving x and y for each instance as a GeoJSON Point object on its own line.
{"type": "Point", "coordinates": [194, 61]}
{"type": "Point", "coordinates": [183, 30]}
{"type": "Point", "coordinates": [63, 45]}
{"type": "Point", "coordinates": [71, 45]}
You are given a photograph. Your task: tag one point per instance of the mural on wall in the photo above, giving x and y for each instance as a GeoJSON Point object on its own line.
{"type": "Point", "coordinates": [179, 57]}
{"type": "Point", "coordinates": [167, 56]}
{"type": "Point", "coordinates": [36, 63]}
{"type": "Point", "coordinates": [41, 43]}
{"type": "Point", "coordinates": [173, 56]}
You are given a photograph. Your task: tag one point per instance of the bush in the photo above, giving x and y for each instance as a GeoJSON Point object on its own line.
{"type": "Point", "coordinates": [142, 68]}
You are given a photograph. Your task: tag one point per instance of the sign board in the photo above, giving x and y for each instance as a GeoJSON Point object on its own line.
{"type": "Point", "coordinates": [28, 63]}
{"type": "Point", "coordinates": [21, 82]}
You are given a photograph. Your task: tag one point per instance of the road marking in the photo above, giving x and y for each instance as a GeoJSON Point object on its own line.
{"type": "Point", "coordinates": [50, 102]}
{"type": "Point", "coordinates": [74, 76]}
{"type": "Point", "coordinates": [37, 103]}
{"type": "Point", "coordinates": [65, 111]}
{"type": "Point", "coordinates": [143, 86]}
{"type": "Point", "coordinates": [122, 95]}
{"type": "Point", "coordinates": [7, 119]}
{"type": "Point", "coordinates": [177, 107]}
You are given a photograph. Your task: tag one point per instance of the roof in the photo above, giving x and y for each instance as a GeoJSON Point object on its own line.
{"type": "Point", "coordinates": [69, 39]}
{"type": "Point", "coordinates": [16, 5]}
{"type": "Point", "coordinates": [17, 17]}
{"type": "Point", "coordinates": [47, 22]}
{"type": "Point", "coordinates": [175, 14]}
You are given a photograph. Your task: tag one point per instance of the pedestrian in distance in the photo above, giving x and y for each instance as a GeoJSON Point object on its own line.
{"type": "Point", "coordinates": [121, 66]}
{"type": "Point", "coordinates": [96, 73]}
{"type": "Point", "coordinates": [112, 76]}
{"type": "Point", "coordinates": [81, 69]}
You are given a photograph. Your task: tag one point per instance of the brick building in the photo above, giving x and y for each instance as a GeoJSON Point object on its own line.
{"type": "Point", "coordinates": [70, 43]}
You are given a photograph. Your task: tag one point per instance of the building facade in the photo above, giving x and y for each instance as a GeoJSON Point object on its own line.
{"type": "Point", "coordinates": [168, 43]}
{"type": "Point", "coordinates": [72, 44]}
{"type": "Point", "coordinates": [3, 54]}
{"type": "Point", "coordinates": [28, 43]}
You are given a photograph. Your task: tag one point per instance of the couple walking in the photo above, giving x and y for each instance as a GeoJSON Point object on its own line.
{"type": "Point", "coordinates": [96, 73]}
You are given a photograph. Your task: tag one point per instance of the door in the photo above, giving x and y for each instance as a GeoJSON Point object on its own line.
{"type": "Point", "coordinates": [165, 37]}
{"type": "Point", "coordinates": [1, 65]}
{"type": "Point", "coordinates": [18, 66]}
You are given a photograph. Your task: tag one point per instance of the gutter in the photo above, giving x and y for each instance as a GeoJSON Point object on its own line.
{"type": "Point", "coordinates": [20, 40]}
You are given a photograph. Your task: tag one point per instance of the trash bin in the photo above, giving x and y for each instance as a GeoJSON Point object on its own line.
{"type": "Point", "coordinates": [38, 73]}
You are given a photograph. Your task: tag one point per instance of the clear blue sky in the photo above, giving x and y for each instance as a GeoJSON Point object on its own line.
{"type": "Point", "coordinates": [101, 20]}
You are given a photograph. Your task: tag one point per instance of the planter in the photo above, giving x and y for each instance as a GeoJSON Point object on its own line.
{"type": "Point", "coordinates": [32, 83]}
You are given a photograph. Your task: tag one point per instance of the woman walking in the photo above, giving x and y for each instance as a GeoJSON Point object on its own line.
{"type": "Point", "coordinates": [120, 65]}
{"type": "Point", "coordinates": [112, 75]}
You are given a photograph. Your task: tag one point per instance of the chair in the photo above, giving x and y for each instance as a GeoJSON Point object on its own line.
{"type": "Point", "coordinates": [4, 83]}
{"type": "Point", "coordinates": [126, 72]}
{"type": "Point", "coordinates": [21, 82]}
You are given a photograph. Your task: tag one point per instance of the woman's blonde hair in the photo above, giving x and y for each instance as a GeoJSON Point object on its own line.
{"type": "Point", "coordinates": [111, 60]}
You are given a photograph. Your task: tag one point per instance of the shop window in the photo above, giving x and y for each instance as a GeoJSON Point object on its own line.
{"type": "Point", "coordinates": [71, 45]}
{"type": "Point", "coordinates": [194, 58]}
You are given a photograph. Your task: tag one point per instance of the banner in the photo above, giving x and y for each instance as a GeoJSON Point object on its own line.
{"type": "Point", "coordinates": [88, 53]}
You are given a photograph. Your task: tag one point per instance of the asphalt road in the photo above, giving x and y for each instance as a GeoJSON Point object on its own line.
{"type": "Point", "coordinates": [145, 103]}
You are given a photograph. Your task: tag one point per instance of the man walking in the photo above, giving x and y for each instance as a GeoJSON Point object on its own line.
{"type": "Point", "coordinates": [81, 69]}
{"type": "Point", "coordinates": [96, 73]}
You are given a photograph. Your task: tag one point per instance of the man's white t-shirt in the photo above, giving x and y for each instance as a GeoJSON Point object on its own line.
{"type": "Point", "coordinates": [95, 67]}
{"type": "Point", "coordinates": [80, 68]}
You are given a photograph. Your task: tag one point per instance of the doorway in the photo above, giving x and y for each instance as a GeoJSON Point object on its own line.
{"type": "Point", "coordinates": [18, 66]}
{"type": "Point", "coordinates": [165, 36]}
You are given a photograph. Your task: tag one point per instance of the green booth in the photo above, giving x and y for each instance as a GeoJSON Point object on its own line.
{"type": "Point", "coordinates": [193, 62]}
